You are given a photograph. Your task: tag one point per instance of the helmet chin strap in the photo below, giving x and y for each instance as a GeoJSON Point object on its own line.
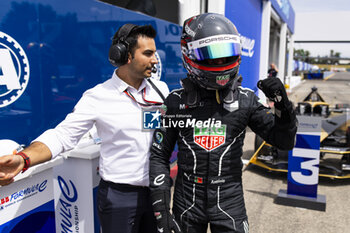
{"type": "Point", "coordinates": [227, 95]}
{"type": "Point", "coordinates": [191, 91]}
{"type": "Point", "coordinates": [193, 97]}
{"type": "Point", "coordinates": [217, 95]}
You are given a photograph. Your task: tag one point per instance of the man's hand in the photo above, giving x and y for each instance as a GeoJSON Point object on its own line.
{"type": "Point", "coordinates": [10, 166]}
{"type": "Point", "coordinates": [166, 222]}
{"type": "Point", "coordinates": [274, 89]}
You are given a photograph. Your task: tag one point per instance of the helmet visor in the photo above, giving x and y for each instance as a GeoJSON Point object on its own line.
{"type": "Point", "coordinates": [215, 47]}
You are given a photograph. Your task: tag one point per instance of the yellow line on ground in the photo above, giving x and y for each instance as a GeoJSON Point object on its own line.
{"type": "Point", "coordinates": [328, 77]}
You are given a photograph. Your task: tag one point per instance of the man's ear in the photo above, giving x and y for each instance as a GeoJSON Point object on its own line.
{"type": "Point", "coordinates": [129, 58]}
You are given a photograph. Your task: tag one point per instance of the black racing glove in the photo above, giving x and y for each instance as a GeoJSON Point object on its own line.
{"type": "Point", "coordinates": [161, 206]}
{"type": "Point", "coordinates": [274, 90]}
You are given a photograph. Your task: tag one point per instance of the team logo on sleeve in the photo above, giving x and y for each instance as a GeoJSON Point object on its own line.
{"type": "Point", "coordinates": [210, 138]}
{"type": "Point", "coordinates": [159, 137]}
{"type": "Point", "coordinates": [14, 70]}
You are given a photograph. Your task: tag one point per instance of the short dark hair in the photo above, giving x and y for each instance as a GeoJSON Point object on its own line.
{"type": "Point", "coordinates": [139, 31]}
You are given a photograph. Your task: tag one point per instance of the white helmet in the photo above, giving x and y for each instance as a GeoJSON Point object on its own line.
{"type": "Point", "coordinates": [8, 147]}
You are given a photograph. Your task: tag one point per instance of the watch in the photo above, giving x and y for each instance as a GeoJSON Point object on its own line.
{"type": "Point", "coordinates": [26, 161]}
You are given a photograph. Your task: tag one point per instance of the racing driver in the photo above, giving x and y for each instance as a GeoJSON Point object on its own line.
{"type": "Point", "coordinates": [207, 118]}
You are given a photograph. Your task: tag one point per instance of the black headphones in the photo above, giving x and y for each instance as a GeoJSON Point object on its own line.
{"type": "Point", "coordinates": [118, 52]}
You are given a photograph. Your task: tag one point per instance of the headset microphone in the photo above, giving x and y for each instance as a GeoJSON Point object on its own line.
{"type": "Point", "coordinates": [154, 69]}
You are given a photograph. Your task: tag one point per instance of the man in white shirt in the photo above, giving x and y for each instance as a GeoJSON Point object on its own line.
{"type": "Point", "coordinates": [115, 107]}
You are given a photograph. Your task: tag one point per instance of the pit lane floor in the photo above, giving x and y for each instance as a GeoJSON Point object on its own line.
{"type": "Point", "coordinates": [261, 187]}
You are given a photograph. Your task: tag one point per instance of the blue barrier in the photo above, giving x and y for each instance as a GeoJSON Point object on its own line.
{"type": "Point", "coordinates": [313, 75]}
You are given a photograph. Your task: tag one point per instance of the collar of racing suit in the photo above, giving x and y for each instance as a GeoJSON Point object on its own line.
{"type": "Point", "coordinates": [194, 93]}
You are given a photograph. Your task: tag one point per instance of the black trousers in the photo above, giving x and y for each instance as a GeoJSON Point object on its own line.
{"type": "Point", "coordinates": [125, 208]}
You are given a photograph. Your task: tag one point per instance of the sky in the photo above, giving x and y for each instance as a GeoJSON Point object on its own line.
{"type": "Point", "coordinates": [322, 20]}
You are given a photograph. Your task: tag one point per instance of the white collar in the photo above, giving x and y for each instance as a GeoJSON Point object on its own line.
{"type": "Point", "coordinates": [122, 86]}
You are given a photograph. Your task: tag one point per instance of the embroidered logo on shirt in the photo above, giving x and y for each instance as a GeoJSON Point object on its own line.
{"type": "Point", "coordinates": [222, 80]}
{"type": "Point", "coordinates": [158, 137]}
{"type": "Point", "coordinates": [210, 138]}
{"type": "Point", "coordinates": [198, 180]}
{"type": "Point", "coordinates": [159, 180]}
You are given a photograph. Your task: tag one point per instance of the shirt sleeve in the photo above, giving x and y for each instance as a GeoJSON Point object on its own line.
{"type": "Point", "coordinates": [163, 144]}
{"type": "Point", "coordinates": [68, 133]}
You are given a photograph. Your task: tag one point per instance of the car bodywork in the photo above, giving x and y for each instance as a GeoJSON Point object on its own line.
{"type": "Point", "coordinates": [334, 140]}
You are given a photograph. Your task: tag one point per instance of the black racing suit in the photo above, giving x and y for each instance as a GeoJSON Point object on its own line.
{"type": "Point", "coordinates": [208, 186]}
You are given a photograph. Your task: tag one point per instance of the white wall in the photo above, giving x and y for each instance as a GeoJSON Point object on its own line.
{"type": "Point", "coordinates": [189, 8]}
{"type": "Point", "coordinates": [264, 46]}
{"type": "Point", "coordinates": [216, 6]}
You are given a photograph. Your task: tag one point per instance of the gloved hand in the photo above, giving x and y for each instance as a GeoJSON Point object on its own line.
{"type": "Point", "coordinates": [161, 206]}
{"type": "Point", "coordinates": [274, 90]}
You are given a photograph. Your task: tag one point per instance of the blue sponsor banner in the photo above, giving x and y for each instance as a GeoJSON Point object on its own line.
{"type": "Point", "coordinates": [308, 141]}
{"type": "Point", "coordinates": [303, 160]}
{"type": "Point", "coordinates": [51, 52]}
{"type": "Point", "coordinates": [38, 220]}
{"type": "Point", "coordinates": [246, 15]}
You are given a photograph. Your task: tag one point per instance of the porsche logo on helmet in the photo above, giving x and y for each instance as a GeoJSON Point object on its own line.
{"type": "Point", "coordinates": [222, 80]}
{"type": "Point", "coordinates": [210, 138]}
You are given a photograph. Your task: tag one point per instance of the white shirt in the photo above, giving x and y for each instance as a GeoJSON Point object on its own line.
{"type": "Point", "coordinates": [124, 154]}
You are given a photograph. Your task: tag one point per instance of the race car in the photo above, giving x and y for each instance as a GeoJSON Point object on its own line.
{"type": "Point", "coordinates": [334, 142]}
